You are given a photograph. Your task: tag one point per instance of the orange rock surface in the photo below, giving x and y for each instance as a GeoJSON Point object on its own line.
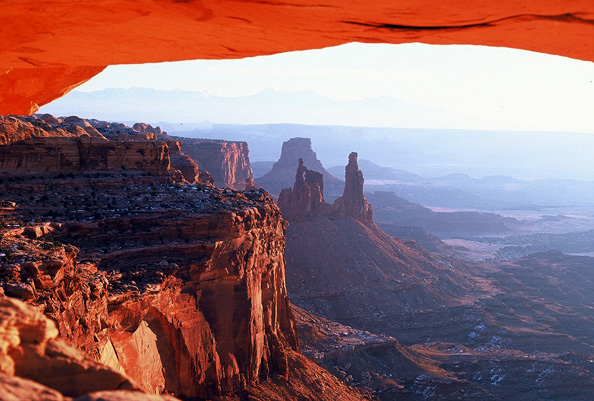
{"type": "Point", "coordinates": [50, 46]}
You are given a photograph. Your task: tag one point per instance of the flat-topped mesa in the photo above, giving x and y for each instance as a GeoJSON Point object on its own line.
{"type": "Point", "coordinates": [182, 288]}
{"type": "Point", "coordinates": [43, 143]}
{"type": "Point", "coordinates": [306, 199]}
{"type": "Point", "coordinates": [352, 202]}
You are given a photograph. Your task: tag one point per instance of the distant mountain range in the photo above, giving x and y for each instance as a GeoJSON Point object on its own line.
{"type": "Point", "coordinates": [268, 106]}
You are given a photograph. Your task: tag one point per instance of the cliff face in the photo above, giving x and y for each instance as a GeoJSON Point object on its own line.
{"type": "Point", "coordinates": [173, 288]}
{"type": "Point", "coordinates": [84, 153]}
{"type": "Point", "coordinates": [228, 162]}
{"type": "Point", "coordinates": [188, 301]}
{"type": "Point", "coordinates": [283, 171]}
{"type": "Point", "coordinates": [46, 143]}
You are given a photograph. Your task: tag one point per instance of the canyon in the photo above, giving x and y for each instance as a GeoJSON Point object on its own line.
{"type": "Point", "coordinates": [388, 316]}
{"type": "Point", "coordinates": [128, 272]}
{"type": "Point", "coordinates": [172, 285]}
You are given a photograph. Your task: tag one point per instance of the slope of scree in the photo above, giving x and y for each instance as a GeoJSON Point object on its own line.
{"type": "Point", "coordinates": [179, 286]}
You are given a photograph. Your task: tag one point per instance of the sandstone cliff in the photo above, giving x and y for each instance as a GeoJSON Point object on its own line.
{"type": "Point", "coordinates": [36, 365]}
{"type": "Point", "coordinates": [283, 171]}
{"type": "Point", "coordinates": [228, 162]}
{"type": "Point", "coordinates": [204, 286]}
{"type": "Point", "coordinates": [180, 287]}
{"type": "Point", "coordinates": [45, 143]}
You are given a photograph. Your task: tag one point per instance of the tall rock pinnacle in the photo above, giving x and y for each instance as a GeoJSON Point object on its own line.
{"type": "Point", "coordinates": [352, 202]}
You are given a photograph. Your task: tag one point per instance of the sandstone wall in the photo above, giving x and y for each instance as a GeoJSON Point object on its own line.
{"type": "Point", "coordinates": [63, 44]}
{"type": "Point", "coordinates": [193, 304]}
{"type": "Point", "coordinates": [219, 320]}
{"type": "Point", "coordinates": [228, 162]}
{"type": "Point", "coordinates": [82, 154]}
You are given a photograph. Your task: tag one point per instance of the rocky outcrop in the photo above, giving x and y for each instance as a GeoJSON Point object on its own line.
{"type": "Point", "coordinates": [228, 162]}
{"type": "Point", "coordinates": [72, 144]}
{"type": "Point", "coordinates": [179, 287]}
{"type": "Point", "coordinates": [352, 202]}
{"type": "Point", "coordinates": [30, 349]}
{"type": "Point", "coordinates": [84, 154]}
{"type": "Point", "coordinates": [188, 299]}
{"type": "Point", "coordinates": [283, 171]}
{"type": "Point", "coordinates": [184, 164]}
{"type": "Point", "coordinates": [306, 199]}
{"type": "Point", "coordinates": [147, 129]}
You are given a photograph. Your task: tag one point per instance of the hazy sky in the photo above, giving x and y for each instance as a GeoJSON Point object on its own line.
{"type": "Point", "coordinates": [477, 87]}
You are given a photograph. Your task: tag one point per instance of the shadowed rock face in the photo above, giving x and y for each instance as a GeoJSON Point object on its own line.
{"type": "Point", "coordinates": [283, 171]}
{"type": "Point", "coordinates": [64, 44]}
{"type": "Point", "coordinates": [306, 199]}
{"type": "Point", "coordinates": [227, 161]}
{"type": "Point", "coordinates": [352, 202]}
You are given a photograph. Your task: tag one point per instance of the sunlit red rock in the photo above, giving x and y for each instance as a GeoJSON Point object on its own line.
{"type": "Point", "coordinates": [50, 46]}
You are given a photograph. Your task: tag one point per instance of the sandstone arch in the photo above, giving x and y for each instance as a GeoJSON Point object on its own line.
{"type": "Point", "coordinates": [51, 46]}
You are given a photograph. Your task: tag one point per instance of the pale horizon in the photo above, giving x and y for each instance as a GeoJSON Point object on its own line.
{"type": "Point", "coordinates": [450, 87]}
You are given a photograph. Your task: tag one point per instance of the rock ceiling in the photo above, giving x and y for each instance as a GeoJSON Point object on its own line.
{"type": "Point", "coordinates": [48, 47]}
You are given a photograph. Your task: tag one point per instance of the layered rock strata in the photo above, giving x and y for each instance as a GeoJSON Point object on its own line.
{"type": "Point", "coordinates": [227, 161]}
{"type": "Point", "coordinates": [179, 287]}
{"type": "Point", "coordinates": [45, 143]}
{"type": "Point", "coordinates": [186, 297]}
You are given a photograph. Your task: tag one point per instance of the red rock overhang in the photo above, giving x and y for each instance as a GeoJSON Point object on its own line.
{"type": "Point", "coordinates": [48, 47]}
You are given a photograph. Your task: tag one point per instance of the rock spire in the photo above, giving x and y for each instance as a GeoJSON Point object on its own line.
{"type": "Point", "coordinates": [352, 202]}
{"type": "Point", "coordinates": [306, 199]}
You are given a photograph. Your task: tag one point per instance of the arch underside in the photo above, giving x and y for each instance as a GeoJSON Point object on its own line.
{"type": "Point", "coordinates": [51, 46]}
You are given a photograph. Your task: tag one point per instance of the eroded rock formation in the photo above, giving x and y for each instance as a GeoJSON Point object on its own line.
{"type": "Point", "coordinates": [30, 349]}
{"type": "Point", "coordinates": [203, 285]}
{"type": "Point", "coordinates": [306, 199]}
{"type": "Point", "coordinates": [62, 44]}
{"type": "Point", "coordinates": [72, 144]}
{"type": "Point", "coordinates": [352, 202]}
{"type": "Point", "coordinates": [227, 161]}
{"type": "Point", "coordinates": [180, 287]}
{"type": "Point", "coordinates": [283, 171]}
